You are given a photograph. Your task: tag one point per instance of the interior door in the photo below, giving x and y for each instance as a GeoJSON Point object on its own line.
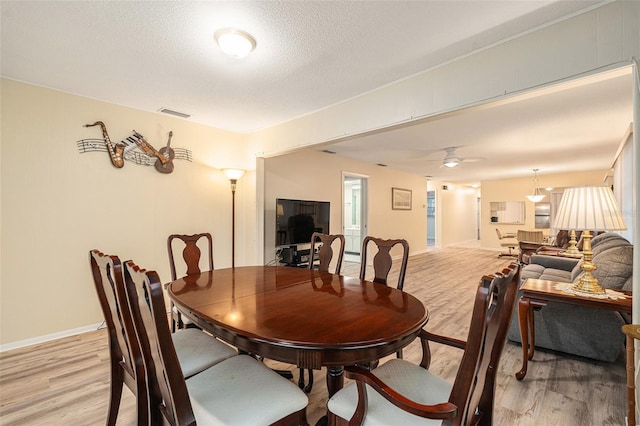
{"type": "Point", "coordinates": [431, 218]}
{"type": "Point", "coordinates": [354, 216]}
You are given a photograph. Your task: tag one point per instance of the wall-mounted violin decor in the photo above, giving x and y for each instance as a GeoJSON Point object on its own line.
{"type": "Point", "coordinates": [136, 149]}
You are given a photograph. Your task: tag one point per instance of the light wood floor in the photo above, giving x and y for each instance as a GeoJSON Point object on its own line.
{"type": "Point", "coordinates": [66, 382]}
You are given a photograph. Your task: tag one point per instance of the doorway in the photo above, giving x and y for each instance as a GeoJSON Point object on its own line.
{"type": "Point", "coordinates": [354, 217]}
{"type": "Point", "coordinates": [431, 218]}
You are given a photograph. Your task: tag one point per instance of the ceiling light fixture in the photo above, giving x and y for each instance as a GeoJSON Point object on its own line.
{"type": "Point", "coordinates": [233, 42]}
{"type": "Point", "coordinates": [451, 159]}
{"type": "Point", "coordinates": [451, 162]}
{"type": "Point", "coordinates": [537, 196]}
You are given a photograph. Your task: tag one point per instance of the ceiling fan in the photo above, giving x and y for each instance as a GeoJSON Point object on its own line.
{"type": "Point", "coordinates": [452, 159]}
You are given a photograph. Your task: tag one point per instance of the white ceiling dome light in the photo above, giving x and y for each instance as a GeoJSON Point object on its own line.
{"type": "Point", "coordinates": [234, 42]}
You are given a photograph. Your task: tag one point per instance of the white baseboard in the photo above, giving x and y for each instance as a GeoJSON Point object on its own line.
{"type": "Point", "coordinates": [48, 337]}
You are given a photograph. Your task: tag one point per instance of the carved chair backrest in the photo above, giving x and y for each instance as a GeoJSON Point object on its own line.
{"type": "Point", "coordinates": [474, 385]}
{"type": "Point", "coordinates": [168, 394]}
{"type": "Point", "coordinates": [325, 252]}
{"type": "Point", "coordinates": [382, 261]}
{"type": "Point", "coordinates": [191, 253]}
{"type": "Point", "coordinates": [124, 349]}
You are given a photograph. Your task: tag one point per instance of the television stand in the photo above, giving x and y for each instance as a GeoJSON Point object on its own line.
{"type": "Point", "coordinates": [293, 256]}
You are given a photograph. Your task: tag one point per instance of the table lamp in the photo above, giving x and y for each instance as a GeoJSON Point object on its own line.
{"type": "Point", "coordinates": [588, 208]}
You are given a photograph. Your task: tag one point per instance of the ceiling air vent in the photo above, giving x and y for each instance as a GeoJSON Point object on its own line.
{"type": "Point", "coordinates": [381, 165]}
{"type": "Point", "coordinates": [328, 151]}
{"type": "Point", "coordinates": [176, 113]}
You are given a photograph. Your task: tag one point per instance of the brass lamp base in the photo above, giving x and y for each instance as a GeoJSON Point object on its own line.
{"type": "Point", "coordinates": [572, 250]}
{"type": "Point", "coordinates": [587, 283]}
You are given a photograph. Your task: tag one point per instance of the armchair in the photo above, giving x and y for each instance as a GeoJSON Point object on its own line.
{"type": "Point", "coordinates": [399, 392]}
{"type": "Point", "coordinates": [527, 241]}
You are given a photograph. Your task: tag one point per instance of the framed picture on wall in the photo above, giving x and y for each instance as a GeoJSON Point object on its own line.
{"type": "Point", "coordinates": [400, 199]}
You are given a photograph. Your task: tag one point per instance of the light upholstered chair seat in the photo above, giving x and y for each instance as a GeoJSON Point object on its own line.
{"type": "Point", "coordinates": [242, 391]}
{"type": "Point", "coordinates": [410, 380]}
{"type": "Point", "coordinates": [198, 350]}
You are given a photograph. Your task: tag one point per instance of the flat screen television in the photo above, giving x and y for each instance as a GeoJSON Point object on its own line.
{"type": "Point", "coordinates": [296, 220]}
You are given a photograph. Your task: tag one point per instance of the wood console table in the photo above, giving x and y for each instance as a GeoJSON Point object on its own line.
{"type": "Point", "coordinates": [536, 293]}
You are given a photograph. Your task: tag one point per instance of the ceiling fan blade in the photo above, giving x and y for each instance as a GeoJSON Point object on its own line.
{"type": "Point", "coordinates": [472, 159]}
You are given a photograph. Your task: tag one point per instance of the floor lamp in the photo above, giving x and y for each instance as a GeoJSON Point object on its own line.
{"type": "Point", "coordinates": [233, 175]}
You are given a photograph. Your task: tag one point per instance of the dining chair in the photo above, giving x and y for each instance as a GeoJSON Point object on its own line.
{"type": "Point", "coordinates": [382, 260]}
{"type": "Point", "coordinates": [325, 256]}
{"type": "Point", "coordinates": [126, 362]}
{"type": "Point", "coordinates": [192, 255]}
{"type": "Point", "coordinates": [511, 242]}
{"type": "Point", "coordinates": [325, 251]}
{"type": "Point", "coordinates": [237, 391]}
{"type": "Point", "coordinates": [399, 392]}
{"type": "Point", "coordinates": [195, 349]}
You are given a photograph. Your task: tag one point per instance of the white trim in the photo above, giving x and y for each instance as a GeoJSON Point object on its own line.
{"type": "Point", "coordinates": [49, 337]}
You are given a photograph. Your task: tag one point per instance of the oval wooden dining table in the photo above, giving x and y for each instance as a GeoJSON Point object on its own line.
{"type": "Point", "coordinates": [299, 316]}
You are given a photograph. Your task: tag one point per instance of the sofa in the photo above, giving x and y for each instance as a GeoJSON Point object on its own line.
{"type": "Point", "coordinates": [579, 330]}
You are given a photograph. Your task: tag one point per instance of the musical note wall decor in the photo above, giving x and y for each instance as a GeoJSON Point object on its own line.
{"type": "Point", "coordinates": [136, 149]}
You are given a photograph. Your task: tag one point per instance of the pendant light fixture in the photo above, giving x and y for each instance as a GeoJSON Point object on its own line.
{"type": "Point", "coordinates": [537, 196]}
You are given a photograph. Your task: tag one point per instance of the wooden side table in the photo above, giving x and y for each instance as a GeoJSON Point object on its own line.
{"type": "Point", "coordinates": [632, 331]}
{"type": "Point", "coordinates": [537, 293]}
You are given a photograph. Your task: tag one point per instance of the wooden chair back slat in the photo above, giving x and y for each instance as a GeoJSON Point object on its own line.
{"type": "Point", "coordinates": [191, 253]}
{"type": "Point", "coordinates": [325, 252]}
{"type": "Point", "coordinates": [382, 260]}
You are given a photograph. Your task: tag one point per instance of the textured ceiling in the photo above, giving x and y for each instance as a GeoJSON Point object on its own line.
{"type": "Point", "coordinates": [310, 54]}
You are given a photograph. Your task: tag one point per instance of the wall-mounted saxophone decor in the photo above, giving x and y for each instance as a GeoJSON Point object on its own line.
{"type": "Point", "coordinates": [135, 148]}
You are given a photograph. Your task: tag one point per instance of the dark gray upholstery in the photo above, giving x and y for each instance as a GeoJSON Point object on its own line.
{"type": "Point", "coordinates": [577, 330]}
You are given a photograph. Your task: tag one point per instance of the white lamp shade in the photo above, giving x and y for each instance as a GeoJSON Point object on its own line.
{"type": "Point", "coordinates": [233, 174]}
{"type": "Point", "coordinates": [535, 198]}
{"type": "Point", "coordinates": [589, 207]}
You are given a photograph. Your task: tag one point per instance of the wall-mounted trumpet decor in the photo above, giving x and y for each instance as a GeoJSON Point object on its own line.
{"type": "Point", "coordinates": [136, 149]}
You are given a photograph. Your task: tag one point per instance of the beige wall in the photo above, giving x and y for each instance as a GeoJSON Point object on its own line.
{"type": "Point", "coordinates": [517, 190]}
{"type": "Point", "coordinates": [312, 175]}
{"type": "Point", "coordinates": [57, 204]}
